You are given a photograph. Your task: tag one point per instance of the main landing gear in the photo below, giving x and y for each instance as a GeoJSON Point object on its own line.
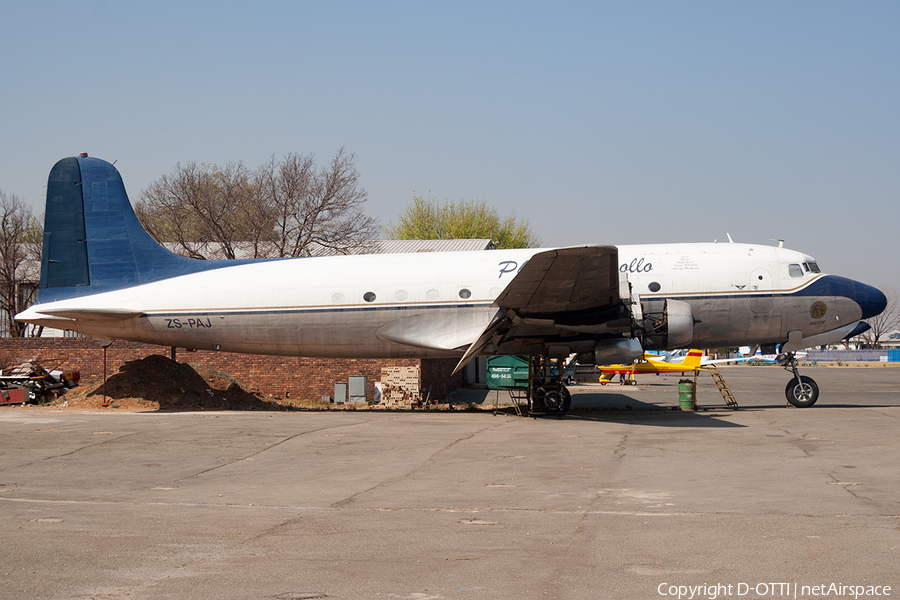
{"type": "Point", "coordinates": [801, 391]}
{"type": "Point", "coordinates": [548, 394]}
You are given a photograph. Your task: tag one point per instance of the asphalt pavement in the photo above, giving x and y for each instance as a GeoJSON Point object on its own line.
{"type": "Point", "coordinates": [622, 498]}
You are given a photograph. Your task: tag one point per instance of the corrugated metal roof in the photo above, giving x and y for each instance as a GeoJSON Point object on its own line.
{"type": "Point", "coordinates": [405, 246]}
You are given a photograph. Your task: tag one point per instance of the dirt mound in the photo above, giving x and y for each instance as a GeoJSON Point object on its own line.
{"type": "Point", "coordinates": [159, 383]}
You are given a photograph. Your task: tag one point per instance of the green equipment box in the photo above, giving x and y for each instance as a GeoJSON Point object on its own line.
{"type": "Point", "coordinates": [507, 372]}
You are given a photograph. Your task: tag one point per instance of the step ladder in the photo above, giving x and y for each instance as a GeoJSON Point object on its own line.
{"type": "Point", "coordinates": [519, 397]}
{"type": "Point", "coordinates": [723, 387]}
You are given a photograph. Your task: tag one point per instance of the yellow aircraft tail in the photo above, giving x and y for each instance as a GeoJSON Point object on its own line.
{"type": "Point", "coordinates": [693, 358]}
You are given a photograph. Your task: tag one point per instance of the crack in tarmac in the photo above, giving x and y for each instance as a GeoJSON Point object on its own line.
{"type": "Point", "coordinates": [414, 469]}
{"type": "Point", "coordinates": [266, 449]}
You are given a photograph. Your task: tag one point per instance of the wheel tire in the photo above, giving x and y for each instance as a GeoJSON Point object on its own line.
{"type": "Point", "coordinates": [803, 394]}
{"type": "Point", "coordinates": [632, 381]}
{"type": "Point", "coordinates": [554, 402]}
{"type": "Point", "coordinates": [551, 402]}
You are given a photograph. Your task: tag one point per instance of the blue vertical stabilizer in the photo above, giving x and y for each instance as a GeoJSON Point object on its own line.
{"type": "Point", "coordinates": [93, 241]}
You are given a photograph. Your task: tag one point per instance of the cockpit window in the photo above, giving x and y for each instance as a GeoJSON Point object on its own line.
{"type": "Point", "coordinates": [811, 266]}
{"type": "Point", "coordinates": [795, 270]}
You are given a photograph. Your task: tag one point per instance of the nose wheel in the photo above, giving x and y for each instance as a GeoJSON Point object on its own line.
{"type": "Point", "coordinates": [801, 391]}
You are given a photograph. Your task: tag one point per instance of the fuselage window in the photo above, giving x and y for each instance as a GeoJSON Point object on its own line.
{"type": "Point", "coordinates": [465, 294]}
{"type": "Point", "coordinates": [338, 298]}
{"type": "Point", "coordinates": [653, 287]}
{"type": "Point", "coordinates": [400, 295]}
{"type": "Point", "coordinates": [369, 296]}
{"type": "Point", "coordinates": [432, 294]}
{"type": "Point", "coordinates": [795, 270]}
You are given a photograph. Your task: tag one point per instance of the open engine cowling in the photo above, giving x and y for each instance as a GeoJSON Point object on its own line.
{"type": "Point", "coordinates": [656, 325]}
{"type": "Point", "coordinates": [666, 324]}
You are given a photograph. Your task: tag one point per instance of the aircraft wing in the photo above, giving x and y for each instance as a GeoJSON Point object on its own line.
{"type": "Point", "coordinates": [564, 280]}
{"type": "Point", "coordinates": [557, 296]}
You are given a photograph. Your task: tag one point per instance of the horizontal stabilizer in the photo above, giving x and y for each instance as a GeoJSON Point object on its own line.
{"type": "Point", "coordinates": [94, 314]}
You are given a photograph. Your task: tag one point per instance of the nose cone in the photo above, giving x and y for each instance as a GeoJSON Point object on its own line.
{"type": "Point", "coordinates": [871, 300]}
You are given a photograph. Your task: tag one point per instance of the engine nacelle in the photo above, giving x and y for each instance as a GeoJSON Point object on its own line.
{"type": "Point", "coordinates": [613, 352]}
{"type": "Point", "coordinates": [666, 324]}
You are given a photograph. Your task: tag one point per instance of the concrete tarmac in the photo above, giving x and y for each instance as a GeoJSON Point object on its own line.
{"type": "Point", "coordinates": [622, 498]}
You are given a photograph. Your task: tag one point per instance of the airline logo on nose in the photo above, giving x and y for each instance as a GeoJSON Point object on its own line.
{"type": "Point", "coordinates": [818, 310]}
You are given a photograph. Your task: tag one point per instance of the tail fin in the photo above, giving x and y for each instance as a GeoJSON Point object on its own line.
{"type": "Point", "coordinates": [93, 241]}
{"type": "Point", "coordinates": [693, 359]}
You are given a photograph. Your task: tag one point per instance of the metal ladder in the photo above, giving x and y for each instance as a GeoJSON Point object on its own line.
{"type": "Point", "coordinates": [723, 387]}
{"type": "Point", "coordinates": [519, 396]}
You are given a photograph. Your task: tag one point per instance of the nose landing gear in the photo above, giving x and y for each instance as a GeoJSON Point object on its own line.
{"type": "Point", "coordinates": [801, 391]}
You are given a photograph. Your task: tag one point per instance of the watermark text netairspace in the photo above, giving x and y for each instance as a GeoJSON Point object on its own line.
{"type": "Point", "coordinates": [724, 591]}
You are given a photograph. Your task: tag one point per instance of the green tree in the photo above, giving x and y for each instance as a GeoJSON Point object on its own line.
{"type": "Point", "coordinates": [431, 219]}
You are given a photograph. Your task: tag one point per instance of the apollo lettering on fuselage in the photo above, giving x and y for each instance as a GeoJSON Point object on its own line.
{"type": "Point", "coordinates": [508, 266]}
{"type": "Point", "coordinates": [637, 265]}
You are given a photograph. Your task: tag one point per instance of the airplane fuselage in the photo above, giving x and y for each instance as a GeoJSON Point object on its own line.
{"type": "Point", "coordinates": [435, 304]}
{"type": "Point", "coordinates": [102, 275]}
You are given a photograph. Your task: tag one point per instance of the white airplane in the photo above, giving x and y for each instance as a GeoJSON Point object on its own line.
{"type": "Point", "coordinates": [756, 355]}
{"type": "Point", "coordinates": [103, 276]}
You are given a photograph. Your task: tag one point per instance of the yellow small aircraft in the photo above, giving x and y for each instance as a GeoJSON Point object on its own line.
{"type": "Point", "coordinates": [650, 363]}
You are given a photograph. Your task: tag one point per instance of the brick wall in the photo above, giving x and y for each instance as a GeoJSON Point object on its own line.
{"type": "Point", "coordinates": [278, 376]}
{"type": "Point", "coordinates": [436, 377]}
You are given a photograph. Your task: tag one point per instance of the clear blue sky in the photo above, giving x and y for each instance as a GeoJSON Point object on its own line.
{"type": "Point", "coordinates": [613, 122]}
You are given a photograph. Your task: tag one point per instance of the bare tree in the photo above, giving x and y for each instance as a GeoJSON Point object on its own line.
{"type": "Point", "coordinates": [887, 321]}
{"type": "Point", "coordinates": [203, 203]}
{"type": "Point", "coordinates": [315, 209]}
{"type": "Point", "coordinates": [287, 207]}
{"type": "Point", "coordinates": [20, 245]}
